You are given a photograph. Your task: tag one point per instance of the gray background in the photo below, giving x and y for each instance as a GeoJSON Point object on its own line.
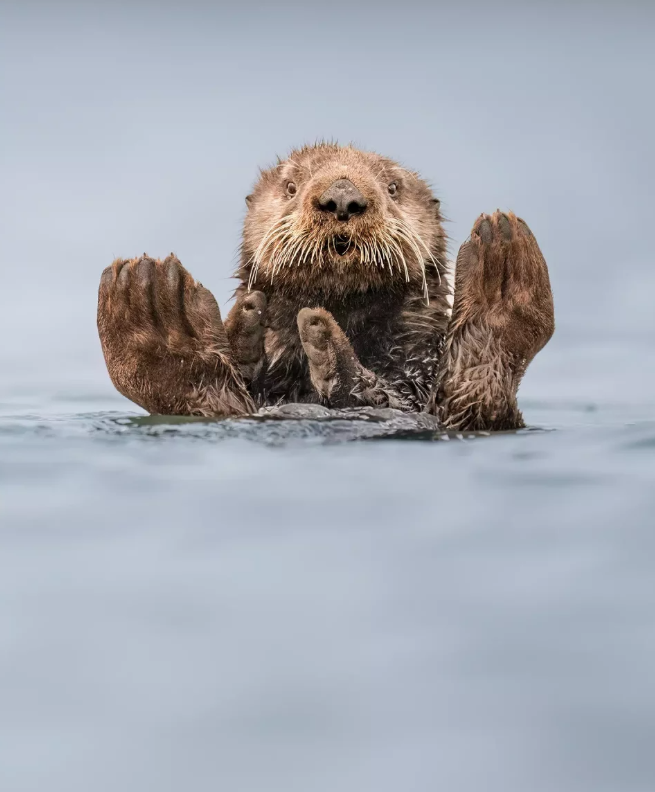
{"type": "Point", "coordinates": [141, 127]}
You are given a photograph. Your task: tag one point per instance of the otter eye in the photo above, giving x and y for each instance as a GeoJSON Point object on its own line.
{"type": "Point", "coordinates": [291, 189]}
{"type": "Point", "coordinates": [393, 188]}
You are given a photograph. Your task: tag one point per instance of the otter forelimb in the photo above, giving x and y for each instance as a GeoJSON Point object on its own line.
{"type": "Point", "coordinates": [164, 342]}
{"type": "Point", "coordinates": [502, 316]}
{"type": "Point", "coordinates": [245, 327]}
{"type": "Point", "coordinates": [335, 371]}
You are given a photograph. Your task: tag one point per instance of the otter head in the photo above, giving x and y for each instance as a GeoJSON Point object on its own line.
{"type": "Point", "coordinates": [335, 220]}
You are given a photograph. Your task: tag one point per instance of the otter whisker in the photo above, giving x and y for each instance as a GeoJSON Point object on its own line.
{"type": "Point", "coordinates": [405, 232]}
{"type": "Point", "coordinates": [294, 247]}
{"type": "Point", "coordinates": [278, 260]}
{"type": "Point", "coordinates": [371, 250]}
{"type": "Point", "coordinates": [310, 255]}
{"type": "Point", "coordinates": [274, 259]}
{"type": "Point", "coordinates": [316, 249]}
{"type": "Point", "coordinates": [390, 255]}
{"type": "Point", "coordinates": [412, 245]}
{"type": "Point", "coordinates": [400, 256]}
{"type": "Point", "coordinates": [379, 254]}
{"type": "Point", "coordinates": [278, 231]}
{"type": "Point", "coordinates": [422, 261]}
{"type": "Point", "coordinates": [420, 241]}
{"type": "Point", "coordinates": [376, 254]}
{"type": "Point", "coordinates": [385, 253]}
{"type": "Point", "coordinates": [277, 254]}
{"type": "Point", "coordinates": [303, 251]}
{"type": "Point", "coordinates": [276, 245]}
{"type": "Point", "coordinates": [290, 248]}
{"type": "Point", "coordinates": [253, 274]}
{"type": "Point", "coordinates": [298, 253]}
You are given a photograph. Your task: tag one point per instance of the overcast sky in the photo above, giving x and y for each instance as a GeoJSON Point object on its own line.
{"type": "Point", "coordinates": [138, 127]}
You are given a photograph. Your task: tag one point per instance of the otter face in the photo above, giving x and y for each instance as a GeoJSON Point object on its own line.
{"type": "Point", "coordinates": [336, 219]}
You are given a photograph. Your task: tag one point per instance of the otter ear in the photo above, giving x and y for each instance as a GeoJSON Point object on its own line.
{"type": "Point", "coordinates": [248, 200]}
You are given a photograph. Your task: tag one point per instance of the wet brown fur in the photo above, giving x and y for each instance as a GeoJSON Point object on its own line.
{"type": "Point", "coordinates": [371, 326]}
{"type": "Point", "coordinates": [503, 316]}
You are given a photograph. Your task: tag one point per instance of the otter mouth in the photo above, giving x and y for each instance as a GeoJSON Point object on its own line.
{"type": "Point", "coordinates": [341, 245]}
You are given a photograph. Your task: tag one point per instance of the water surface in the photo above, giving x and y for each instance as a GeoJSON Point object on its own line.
{"type": "Point", "coordinates": [279, 606]}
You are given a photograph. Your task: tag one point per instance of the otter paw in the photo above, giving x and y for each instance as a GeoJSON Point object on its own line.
{"type": "Point", "coordinates": [164, 342]}
{"type": "Point", "coordinates": [144, 304]}
{"type": "Point", "coordinates": [246, 326]}
{"type": "Point", "coordinates": [502, 279]}
{"type": "Point", "coordinates": [332, 360]}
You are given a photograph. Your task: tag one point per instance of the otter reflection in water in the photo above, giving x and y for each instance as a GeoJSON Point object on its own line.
{"type": "Point", "coordinates": [345, 299]}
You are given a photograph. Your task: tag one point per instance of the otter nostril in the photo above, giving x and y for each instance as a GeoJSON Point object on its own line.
{"type": "Point", "coordinates": [343, 200]}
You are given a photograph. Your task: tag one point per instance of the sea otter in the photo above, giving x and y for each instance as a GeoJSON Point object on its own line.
{"type": "Point", "coordinates": [345, 298]}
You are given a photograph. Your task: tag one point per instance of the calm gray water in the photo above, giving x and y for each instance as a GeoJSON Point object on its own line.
{"type": "Point", "coordinates": [235, 606]}
{"type": "Point", "coordinates": [206, 605]}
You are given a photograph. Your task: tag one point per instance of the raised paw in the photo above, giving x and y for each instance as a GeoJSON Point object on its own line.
{"type": "Point", "coordinates": [502, 281]}
{"type": "Point", "coordinates": [246, 326]}
{"type": "Point", "coordinates": [164, 342]}
{"type": "Point", "coordinates": [502, 316]}
{"type": "Point", "coordinates": [332, 361]}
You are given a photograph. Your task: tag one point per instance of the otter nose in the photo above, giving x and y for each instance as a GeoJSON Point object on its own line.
{"type": "Point", "coordinates": [343, 200]}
